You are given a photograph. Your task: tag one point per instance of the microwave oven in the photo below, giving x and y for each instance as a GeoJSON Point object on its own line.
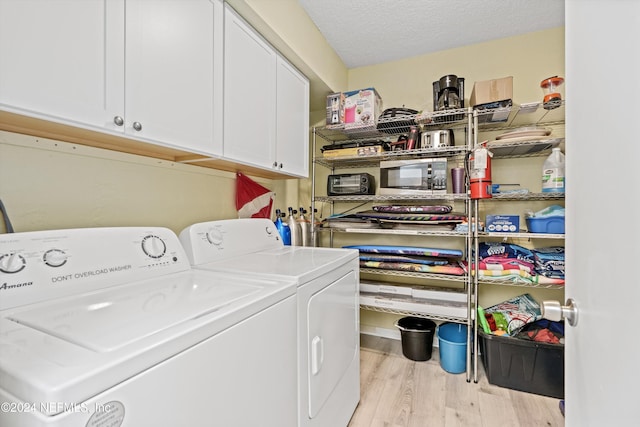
{"type": "Point", "coordinates": [416, 176]}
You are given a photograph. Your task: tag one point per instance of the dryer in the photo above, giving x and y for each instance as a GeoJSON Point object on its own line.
{"type": "Point", "coordinates": [111, 326]}
{"type": "Point", "coordinates": [328, 306]}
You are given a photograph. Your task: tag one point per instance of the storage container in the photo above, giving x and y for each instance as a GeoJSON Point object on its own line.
{"type": "Point", "coordinates": [452, 340]}
{"type": "Point", "coordinates": [518, 364]}
{"type": "Point", "coordinates": [549, 225]}
{"type": "Point", "coordinates": [417, 337]}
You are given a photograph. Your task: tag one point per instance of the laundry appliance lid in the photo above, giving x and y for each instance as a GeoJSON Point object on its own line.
{"type": "Point", "coordinates": [302, 264]}
{"type": "Point", "coordinates": [69, 349]}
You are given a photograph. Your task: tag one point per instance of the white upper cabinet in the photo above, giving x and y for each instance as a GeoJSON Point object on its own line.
{"type": "Point", "coordinates": [292, 130]}
{"type": "Point", "coordinates": [173, 86]}
{"type": "Point", "coordinates": [69, 61]}
{"type": "Point", "coordinates": [63, 60]}
{"type": "Point", "coordinates": [249, 94]}
{"type": "Point", "coordinates": [266, 103]}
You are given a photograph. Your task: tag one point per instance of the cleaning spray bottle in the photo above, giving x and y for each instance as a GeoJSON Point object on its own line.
{"type": "Point", "coordinates": [283, 228]}
{"type": "Point", "coordinates": [553, 172]}
{"type": "Point", "coordinates": [296, 235]}
{"type": "Point", "coordinates": [305, 227]}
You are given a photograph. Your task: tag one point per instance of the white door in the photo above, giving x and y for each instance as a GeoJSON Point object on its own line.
{"type": "Point", "coordinates": [171, 62]}
{"type": "Point", "coordinates": [292, 130]}
{"type": "Point", "coordinates": [63, 60]}
{"type": "Point", "coordinates": [249, 94]}
{"type": "Point", "coordinates": [603, 188]}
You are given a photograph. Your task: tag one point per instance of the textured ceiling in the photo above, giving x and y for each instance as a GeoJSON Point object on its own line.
{"type": "Point", "coordinates": [367, 32]}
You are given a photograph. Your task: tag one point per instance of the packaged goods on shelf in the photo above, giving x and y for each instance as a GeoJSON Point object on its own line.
{"type": "Point", "coordinates": [335, 109]}
{"type": "Point", "coordinates": [428, 301]}
{"type": "Point", "coordinates": [494, 96]}
{"type": "Point", "coordinates": [416, 291]}
{"type": "Point", "coordinates": [371, 150]}
{"type": "Point", "coordinates": [361, 109]}
{"type": "Point", "coordinates": [503, 223]}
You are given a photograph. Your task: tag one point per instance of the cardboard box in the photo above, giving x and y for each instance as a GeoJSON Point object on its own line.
{"type": "Point", "coordinates": [370, 150]}
{"type": "Point", "coordinates": [503, 223]}
{"type": "Point", "coordinates": [495, 96]}
{"type": "Point", "coordinates": [490, 91]}
{"type": "Point", "coordinates": [361, 109]}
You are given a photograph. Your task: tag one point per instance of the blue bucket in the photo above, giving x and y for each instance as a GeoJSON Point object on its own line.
{"type": "Point", "coordinates": [452, 339]}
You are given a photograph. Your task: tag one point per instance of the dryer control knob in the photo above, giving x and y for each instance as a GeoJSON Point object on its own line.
{"type": "Point", "coordinates": [153, 246]}
{"type": "Point", "coordinates": [12, 263]}
{"type": "Point", "coordinates": [214, 236]}
{"type": "Point", "coordinates": [55, 258]}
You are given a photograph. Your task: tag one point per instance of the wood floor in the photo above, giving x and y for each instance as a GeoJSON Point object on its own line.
{"type": "Point", "coordinates": [396, 391]}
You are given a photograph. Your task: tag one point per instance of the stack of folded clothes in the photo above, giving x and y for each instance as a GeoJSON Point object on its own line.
{"type": "Point", "coordinates": [507, 261]}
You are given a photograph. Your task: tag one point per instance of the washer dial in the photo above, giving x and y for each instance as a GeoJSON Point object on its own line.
{"type": "Point", "coordinates": [214, 236]}
{"type": "Point", "coordinates": [12, 263]}
{"type": "Point", "coordinates": [154, 246]}
{"type": "Point", "coordinates": [55, 257]}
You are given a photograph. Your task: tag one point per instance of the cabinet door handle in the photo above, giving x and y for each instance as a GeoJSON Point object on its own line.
{"type": "Point", "coordinates": [119, 121]}
{"type": "Point", "coordinates": [137, 126]}
{"type": "Point", "coordinates": [280, 166]}
{"type": "Point", "coordinates": [275, 164]}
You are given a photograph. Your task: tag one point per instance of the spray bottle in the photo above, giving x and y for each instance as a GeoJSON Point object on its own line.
{"type": "Point", "coordinates": [296, 232]}
{"type": "Point", "coordinates": [283, 229]}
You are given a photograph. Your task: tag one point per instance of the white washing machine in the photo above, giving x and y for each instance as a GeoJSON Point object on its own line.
{"type": "Point", "coordinates": [112, 327]}
{"type": "Point", "coordinates": [328, 308]}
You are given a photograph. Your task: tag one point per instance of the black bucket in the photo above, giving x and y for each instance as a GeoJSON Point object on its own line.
{"type": "Point", "coordinates": [417, 337]}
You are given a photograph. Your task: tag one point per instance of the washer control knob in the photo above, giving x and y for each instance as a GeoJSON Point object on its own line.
{"type": "Point", "coordinates": [154, 246]}
{"type": "Point", "coordinates": [55, 258]}
{"type": "Point", "coordinates": [12, 263]}
{"type": "Point", "coordinates": [214, 236]}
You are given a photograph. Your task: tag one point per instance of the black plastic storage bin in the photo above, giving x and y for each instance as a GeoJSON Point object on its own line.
{"type": "Point", "coordinates": [524, 365]}
{"type": "Point", "coordinates": [417, 337]}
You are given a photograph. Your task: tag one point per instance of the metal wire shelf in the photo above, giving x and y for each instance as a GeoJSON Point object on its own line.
{"type": "Point", "coordinates": [425, 314]}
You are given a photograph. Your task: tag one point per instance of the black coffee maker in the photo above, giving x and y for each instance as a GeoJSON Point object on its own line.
{"type": "Point", "coordinates": [448, 93]}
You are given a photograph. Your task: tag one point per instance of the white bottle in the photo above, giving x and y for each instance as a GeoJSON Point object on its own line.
{"type": "Point", "coordinates": [553, 172]}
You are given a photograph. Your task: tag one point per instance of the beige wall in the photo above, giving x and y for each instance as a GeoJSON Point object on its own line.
{"type": "Point", "coordinates": [47, 184]}
{"type": "Point", "coordinates": [528, 58]}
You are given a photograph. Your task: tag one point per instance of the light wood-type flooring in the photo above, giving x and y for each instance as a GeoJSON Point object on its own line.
{"type": "Point", "coordinates": [396, 391]}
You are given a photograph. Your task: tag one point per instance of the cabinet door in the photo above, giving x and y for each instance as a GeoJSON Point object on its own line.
{"type": "Point", "coordinates": [249, 94]}
{"type": "Point", "coordinates": [171, 57]}
{"type": "Point", "coordinates": [63, 60]}
{"type": "Point", "coordinates": [292, 130]}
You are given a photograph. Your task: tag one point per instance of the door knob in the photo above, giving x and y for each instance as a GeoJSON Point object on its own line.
{"type": "Point", "coordinates": [552, 310]}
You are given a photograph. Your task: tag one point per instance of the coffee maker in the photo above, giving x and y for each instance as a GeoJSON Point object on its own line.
{"type": "Point", "coordinates": [448, 93]}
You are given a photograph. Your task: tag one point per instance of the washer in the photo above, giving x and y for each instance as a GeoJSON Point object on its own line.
{"type": "Point", "coordinates": [112, 326]}
{"type": "Point", "coordinates": [328, 307]}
